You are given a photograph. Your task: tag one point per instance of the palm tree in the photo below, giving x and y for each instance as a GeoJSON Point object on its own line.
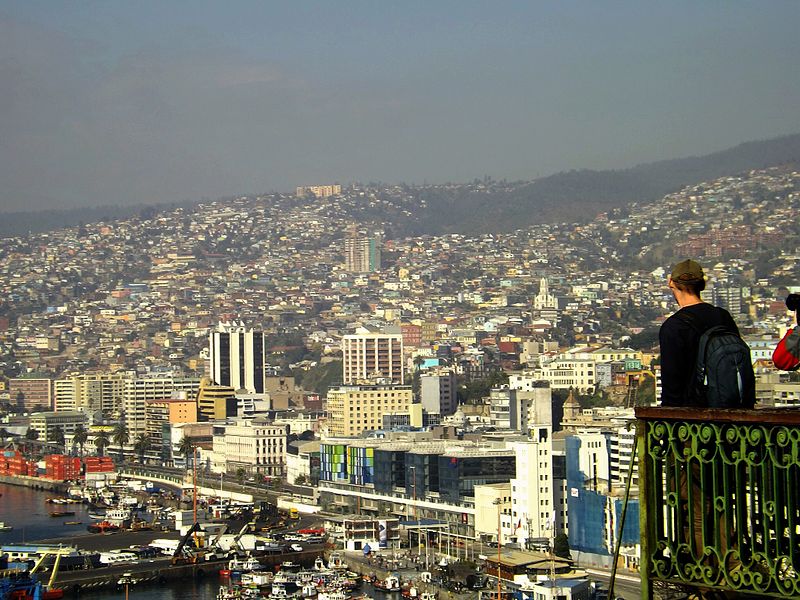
{"type": "Point", "coordinates": [80, 436]}
{"type": "Point", "coordinates": [141, 445]}
{"type": "Point", "coordinates": [31, 435]}
{"type": "Point", "coordinates": [101, 441]}
{"type": "Point", "coordinates": [57, 435]}
{"type": "Point", "coordinates": [186, 448]}
{"type": "Point", "coordinates": [120, 437]}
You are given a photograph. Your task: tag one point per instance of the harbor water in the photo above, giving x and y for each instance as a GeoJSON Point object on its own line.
{"type": "Point", "coordinates": [27, 511]}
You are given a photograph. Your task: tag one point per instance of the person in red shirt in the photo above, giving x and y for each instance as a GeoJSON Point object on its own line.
{"type": "Point", "coordinates": [787, 353]}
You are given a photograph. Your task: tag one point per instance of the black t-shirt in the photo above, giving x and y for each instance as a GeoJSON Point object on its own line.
{"type": "Point", "coordinates": [679, 342]}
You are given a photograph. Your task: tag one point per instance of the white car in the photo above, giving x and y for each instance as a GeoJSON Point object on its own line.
{"type": "Point", "coordinates": [296, 548]}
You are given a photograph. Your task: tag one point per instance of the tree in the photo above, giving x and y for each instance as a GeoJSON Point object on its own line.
{"type": "Point", "coordinates": [186, 448]}
{"type": "Point", "coordinates": [101, 442]}
{"type": "Point", "coordinates": [240, 473]}
{"type": "Point", "coordinates": [120, 437]}
{"type": "Point", "coordinates": [300, 480]}
{"type": "Point", "coordinates": [561, 546]}
{"type": "Point", "coordinates": [31, 435]}
{"type": "Point", "coordinates": [57, 435]}
{"type": "Point", "coordinates": [141, 445]}
{"type": "Point", "coordinates": [80, 437]}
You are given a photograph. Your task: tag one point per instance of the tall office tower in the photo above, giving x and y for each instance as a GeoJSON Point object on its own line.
{"type": "Point", "coordinates": [353, 409]}
{"type": "Point", "coordinates": [372, 356]}
{"type": "Point", "coordinates": [236, 355]}
{"type": "Point", "coordinates": [362, 254]}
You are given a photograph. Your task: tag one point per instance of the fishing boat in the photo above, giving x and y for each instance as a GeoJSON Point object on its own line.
{"type": "Point", "coordinates": [63, 513]}
{"type": "Point", "coordinates": [4, 527]}
{"type": "Point", "coordinates": [102, 527]}
{"type": "Point", "coordinates": [389, 584]}
{"type": "Point", "coordinates": [73, 522]}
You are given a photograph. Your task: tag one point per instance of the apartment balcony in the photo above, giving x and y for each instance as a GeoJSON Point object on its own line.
{"type": "Point", "coordinates": [719, 494]}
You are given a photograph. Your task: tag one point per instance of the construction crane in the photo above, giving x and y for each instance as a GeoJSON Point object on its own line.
{"type": "Point", "coordinates": [184, 554]}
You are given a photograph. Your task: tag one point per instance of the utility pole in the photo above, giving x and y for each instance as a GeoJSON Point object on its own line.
{"type": "Point", "coordinates": [498, 502]}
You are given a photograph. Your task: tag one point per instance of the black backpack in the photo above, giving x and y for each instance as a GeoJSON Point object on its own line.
{"type": "Point", "coordinates": [723, 375]}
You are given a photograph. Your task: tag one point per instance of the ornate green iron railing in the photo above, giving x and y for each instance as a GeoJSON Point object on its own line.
{"type": "Point", "coordinates": [719, 494]}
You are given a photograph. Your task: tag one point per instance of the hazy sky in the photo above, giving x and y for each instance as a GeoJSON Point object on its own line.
{"type": "Point", "coordinates": [111, 102]}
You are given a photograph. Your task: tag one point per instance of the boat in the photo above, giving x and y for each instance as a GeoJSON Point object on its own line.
{"type": "Point", "coordinates": [102, 527]}
{"type": "Point", "coordinates": [278, 592]}
{"type": "Point", "coordinates": [118, 515]}
{"type": "Point", "coordinates": [257, 578]}
{"type": "Point", "coordinates": [243, 566]}
{"type": "Point", "coordinates": [127, 579]}
{"type": "Point", "coordinates": [63, 513]}
{"type": "Point", "coordinates": [4, 527]}
{"type": "Point", "coordinates": [333, 595]}
{"type": "Point", "coordinates": [228, 593]}
{"type": "Point", "coordinates": [25, 586]}
{"type": "Point", "coordinates": [73, 522]}
{"type": "Point", "coordinates": [389, 584]}
{"type": "Point", "coordinates": [336, 561]}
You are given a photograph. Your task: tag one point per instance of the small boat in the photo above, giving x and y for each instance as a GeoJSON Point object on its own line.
{"type": "Point", "coordinates": [127, 579]}
{"type": "Point", "coordinates": [102, 527]}
{"type": "Point", "coordinates": [390, 584]}
{"type": "Point", "coordinates": [73, 522]}
{"type": "Point", "coordinates": [336, 561]}
{"type": "Point", "coordinates": [63, 513]}
{"type": "Point", "coordinates": [257, 578]}
{"type": "Point", "coordinates": [4, 527]}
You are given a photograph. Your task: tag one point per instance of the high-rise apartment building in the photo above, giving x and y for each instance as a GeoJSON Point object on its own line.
{"type": "Point", "coordinates": [362, 254]}
{"type": "Point", "coordinates": [318, 191]}
{"type": "Point", "coordinates": [353, 409]}
{"type": "Point", "coordinates": [371, 356]}
{"type": "Point", "coordinates": [236, 356]}
{"type": "Point", "coordinates": [30, 393]}
{"type": "Point", "coordinates": [159, 414]}
{"type": "Point", "coordinates": [138, 391]}
{"type": "Point", "coordinates": [91, 392]}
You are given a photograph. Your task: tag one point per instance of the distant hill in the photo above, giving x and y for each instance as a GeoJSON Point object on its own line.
{"type": "Point", "coordinates": [572, 196]}
{"type": "Point", "coordinates": [21, 223]}
{"type": "Point", "coordinates": [576, 196]}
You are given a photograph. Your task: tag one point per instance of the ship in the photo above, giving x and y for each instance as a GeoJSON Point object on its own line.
{"type": "Point", "coordinates": [22, 585]}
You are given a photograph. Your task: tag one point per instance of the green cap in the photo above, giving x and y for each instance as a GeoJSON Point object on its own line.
{"type": "Point", "coordinates": [688, 271]}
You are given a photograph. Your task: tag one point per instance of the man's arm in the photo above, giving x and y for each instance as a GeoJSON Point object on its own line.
{"type": "Point", "coordinates": [673, 369]}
